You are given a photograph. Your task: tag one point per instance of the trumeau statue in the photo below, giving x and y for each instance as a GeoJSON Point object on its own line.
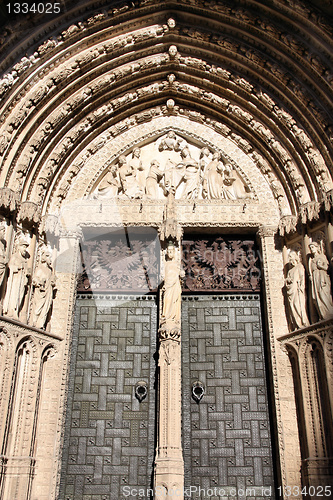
{"type": "Point", "coordinates": [171, 289]}
{"type": "Point", "coordinates": [43, 284]}
{"type": "Point", "coordinates": [17, 280]}
{"type": "Point", "coordinates": [172, 163]}
{"type": "Point", "coordinates": [295, 288]}
{"type": "Point", "coordinates": [320, 282]}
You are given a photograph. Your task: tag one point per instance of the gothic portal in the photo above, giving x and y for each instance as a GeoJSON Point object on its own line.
{"type": "Point", "coordinates": [166, 249]}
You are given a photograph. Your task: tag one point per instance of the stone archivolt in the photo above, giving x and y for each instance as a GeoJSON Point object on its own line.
{"type": "Point", "coordinates": [118, 44]}
{"type": "Point", "coordinates": [107, 114]}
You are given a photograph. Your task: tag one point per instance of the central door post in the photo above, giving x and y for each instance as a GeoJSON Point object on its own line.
{"type": "Point", "coordinates": [169, 463]}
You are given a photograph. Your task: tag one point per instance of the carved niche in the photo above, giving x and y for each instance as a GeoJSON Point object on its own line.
{"type": "Point", "coordinates": [172, 163]}
{"type": "Point", "coordinates": [221, 264]}
{"type": "Point", "coordinates": [125, 262]}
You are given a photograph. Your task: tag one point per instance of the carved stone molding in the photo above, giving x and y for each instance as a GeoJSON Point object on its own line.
{"type": "Point", "coordinates": [319, 330]}
{"type": "Point", "coordinates": [265, 232]}
{"type": "Point", "coordinates": [17, 330]}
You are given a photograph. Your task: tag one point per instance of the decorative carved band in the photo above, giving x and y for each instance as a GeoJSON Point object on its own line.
{"type": "Point", "coordinates": [221, 264]}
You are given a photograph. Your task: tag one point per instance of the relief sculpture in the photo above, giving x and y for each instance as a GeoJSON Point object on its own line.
{"type": "Point", "coordinates": [172, 164]}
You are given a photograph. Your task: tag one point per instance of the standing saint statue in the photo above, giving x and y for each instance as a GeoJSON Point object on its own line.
{"type": "Point", "coordinates": [171, 290]}
{"type": "Point", "coordinates": [43, 283]}
{"type": "Point", "coordinates": [295, 288]}
{"type": "Point", "coordinates": [17, 280]}
{"type": "Point", "coordinates": [3, 253]}
{"type": "Point", "coordinates": [320, 282]}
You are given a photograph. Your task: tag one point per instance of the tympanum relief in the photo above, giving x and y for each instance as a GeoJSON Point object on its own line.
{"type": "Point", "coordinates": [172, 164]}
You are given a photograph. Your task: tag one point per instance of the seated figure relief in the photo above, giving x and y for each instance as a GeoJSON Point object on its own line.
{"type": "Point", "coordinates": [171, 163]}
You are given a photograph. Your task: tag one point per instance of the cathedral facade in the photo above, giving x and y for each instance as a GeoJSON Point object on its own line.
{"type": "Point", "coordinates": [166, 244]}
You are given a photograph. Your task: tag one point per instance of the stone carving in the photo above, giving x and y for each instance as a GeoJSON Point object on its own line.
{"type": "Point", "coordinates": [154, 178]}
{"type": "Point", "coordinates": [171, 298]}
{"type": "Point", "coordinates": [191, 174]}
{"type": "Point", "coordinates": [128, 179]}
{"type": "Point", "coordinates": [8, 200]}
{"type": "Point", "coordinates": [3, 252]}
{"type": "Point", "coordinates": [43, 284]}
{"type": "Point", "coordinates": [320, 282]}
{"type": "Point", "coordinates": [213, 178]}
{"type": "Point", "coordinates": [171, 163]}
{"type": "Point", "coordinates": [17, 280]}
{"type": "Point", "coordinates": [295, 289]}
{"type": "Point", "coordinates": [110, 185]}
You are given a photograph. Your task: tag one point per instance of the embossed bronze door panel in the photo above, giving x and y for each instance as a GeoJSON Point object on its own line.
{"type": "Point", "coordinates": [226, 435]}
{"type": "Point", "coordinates": [109, 440]}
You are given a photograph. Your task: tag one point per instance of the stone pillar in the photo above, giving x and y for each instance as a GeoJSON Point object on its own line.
{"type": "Point", "coordinates": [281, 373]}
{"type": "Point", "coordinates": [169, 464]}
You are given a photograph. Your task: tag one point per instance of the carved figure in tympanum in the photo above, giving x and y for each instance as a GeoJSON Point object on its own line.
{"type": "Point", "coordinates": [320, 282]}
{"type": "Point", "coordinates": [295, 289]}
{"type": "Point", "coordinates": [212, 184]}
{"type": "Point", "coordinates": [128, 180]}
{"type": "Point", "coordinates": [191, 175]}
{"type": "Point", "coordinates": [43, 284]}
{"type": "Point", "coordinates": [136, 164]}
{"type": "Point", "coordinates": [154, 179]}
{"type": "Point", "coordinates": [110, 185]}
{"type": "Point", "coordinates": [171, 163]}
{"type": "Point", "coordinates": [17, 280]}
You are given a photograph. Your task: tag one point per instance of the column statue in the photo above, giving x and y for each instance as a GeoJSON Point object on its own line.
{"type": "Point", "coordinates": [169, 464]}
{"type": "Point", "coordinates": [171, 309]}
{"type": "Point", "coordinates": [17, 280]}
{"type": "Point", "coordinates": [320, 282]}
{"type": "Point", "coordinates": [3, 254]}
{"type": "Point", "coordinates": [43, 283]}
{"type": "Point", "coordinates": [295, 288]}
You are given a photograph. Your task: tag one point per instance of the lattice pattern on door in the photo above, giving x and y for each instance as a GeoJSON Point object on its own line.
{"type": "Point", "coordinates": [109, 440]}
{"type": "Point", "coordinates": [226, 436]}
